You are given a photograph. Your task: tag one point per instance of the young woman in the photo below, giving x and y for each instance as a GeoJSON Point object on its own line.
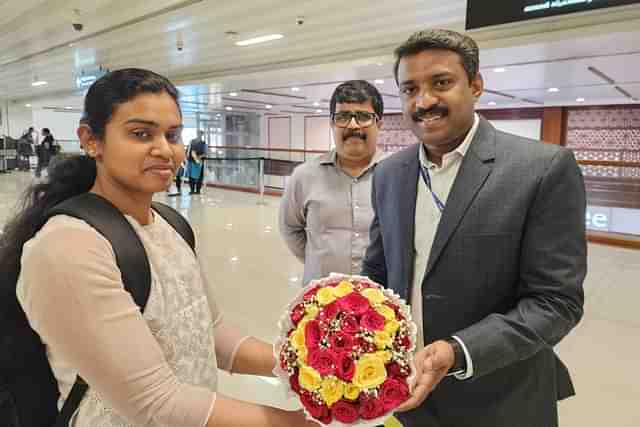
{"type": "Point", "coordinates": [153, 369]}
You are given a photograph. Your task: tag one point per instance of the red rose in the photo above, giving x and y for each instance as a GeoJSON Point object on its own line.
{"type": "Point", "coordinates": [317, 410]}
{"type": "Point", "coordinates": [323, 361]}
{"type": "Point", "coordinates": [311, 293]}
{"type": "Point", "coordinates": [370, 408]}
{"type": "Point", "coordinates": [354, 303]}
{"type": "Point", "coordinates": [392, 393]}
{"type": "Point", "coordinates": [396, 371]}
{"type": "Point", "coordinates": [350, 325]}
{"type": "Point", "coordinates": [297, 314]}
{"type": "Point", "coordinates": [345, 412]}
{"type": "Point", "coordinates": [372, 320]}
{"type": "Point", "coordinates": [341, 342]}
{"type": "Point", "coordinates": [294, 382]}
{"type": "Point", "coordinates": [329, 312]}
{"type": "Point", "coordinates": [345, 366]}
{"type": "Point", "coordinates": [312, 334]}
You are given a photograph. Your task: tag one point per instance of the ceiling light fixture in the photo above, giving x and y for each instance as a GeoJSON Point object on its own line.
{"type": "Point", "coordinates": [499, 70]}
{"type": "Point", "coordinates": [553, 89]}
{"type": "Point", "coordinates": [37, 82]}
{"type": "Point", "coordinates": [68, 108]}
{"type": "Point", "coordinates": [295, 89]}
{"type": "Point", "coordinates": [27, 105]}
{"type": "Point", "coordinates": [318, 111]}
{"type": "Point", "coordinates": [261, 39]}
{"type": "Point", "coordinates": [316, 104]}
{"type": "Point", "coordinates": [492, 103]}
{"type": "Point", "coordinates": [268, 107]}
{"type": "Point", "coordinates": [379, 81]}
{"type": "Point", "coordinates": [580, 100]}
{"type": "Point", "coordinates": [233, 94]}
{"type": "Point", "coordinates": [228, 108]}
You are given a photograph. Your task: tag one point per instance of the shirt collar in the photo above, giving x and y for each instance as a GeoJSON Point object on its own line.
{"type": "Point", "coordinates": [459, 152]}
{"type": "Point", "coordinates": [331, 158]}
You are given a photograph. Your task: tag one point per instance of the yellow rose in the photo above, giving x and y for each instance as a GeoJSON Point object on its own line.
{"type": "Point", "coordinates": [297, 339]}
{"type": "Point", "coordinates": [312, 311]}
{"type": "Point", "coordinates": [309, 378]}
{"type": "Point", "coordinates": [302, 353]}
{"type": "Point", "coordinates": [383, 340]}
{"type": "Point", "coordinates": [370, 372]}
{"type": "Point", "coordinates": [331, 390]}
{"type": "Point", "coordinates": [343, 289]}
{"type": "Point", "coordinates": [351, 391]}
{"type": "Point", "coordinates": [375, 296]}
{"type": "Point", "coordinates": [386, 311]}
{"type": "Point", "coordinates": [326, 296]}
{"type": "Point", "coordinates": [385, 356]}
{"type": "Point", "coordinates": [391, 327]}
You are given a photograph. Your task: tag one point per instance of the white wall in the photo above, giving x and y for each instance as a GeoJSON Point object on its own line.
{"type": "Point", "coordinates": [525, 128]}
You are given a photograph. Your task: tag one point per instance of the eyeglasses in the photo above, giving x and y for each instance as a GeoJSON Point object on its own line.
{"type": "Point", "coordinates": [363, 118]}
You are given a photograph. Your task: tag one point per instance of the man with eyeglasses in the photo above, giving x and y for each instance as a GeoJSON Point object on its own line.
{"type": "Point", "coordinates": [326, 212]}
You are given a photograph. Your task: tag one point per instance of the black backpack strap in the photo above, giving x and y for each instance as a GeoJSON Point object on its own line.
{"type": "Point", "coordinates": [131, 258]}
{"type": "Point", "coordinates": [78, 391]}
{"type": "Point", "coordinates": [107, 220]}
{"type": "Point", "coordinates": [177, 221]}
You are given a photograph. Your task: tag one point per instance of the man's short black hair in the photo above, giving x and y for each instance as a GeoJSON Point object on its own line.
{"type": "Point", "coordinates": [463, 45]}
{"type": "Point", "coordinates": [357, 92]}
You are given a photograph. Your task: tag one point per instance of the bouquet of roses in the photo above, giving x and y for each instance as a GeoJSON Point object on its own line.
{"type": "Point", "coordinates": [346, 350]}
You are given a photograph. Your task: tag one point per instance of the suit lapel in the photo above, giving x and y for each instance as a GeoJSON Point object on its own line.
{"type": "Point", "coordinates": [408, 183]}
{"type": "Point", "coordinates": [474, 171]}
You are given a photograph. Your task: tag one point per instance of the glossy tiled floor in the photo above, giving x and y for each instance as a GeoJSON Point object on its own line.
{"type": "Point", "coordinates": [253, 276]}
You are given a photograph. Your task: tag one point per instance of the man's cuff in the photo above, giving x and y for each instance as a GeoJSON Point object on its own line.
{"type": "Point", "coordinates": [467, 356]}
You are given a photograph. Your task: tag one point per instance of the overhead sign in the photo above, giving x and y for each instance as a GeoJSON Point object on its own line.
{"type": "Point", "coordinates": [86, 78]}
{"type": "Point", "coordinates": [481, 14]}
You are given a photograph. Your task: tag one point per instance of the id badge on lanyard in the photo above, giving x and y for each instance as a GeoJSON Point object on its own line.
{"type": "Point", "coordinates": [427, 180]}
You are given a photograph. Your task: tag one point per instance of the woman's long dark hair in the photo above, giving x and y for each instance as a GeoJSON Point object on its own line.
{"type": "Point", "coordinates": [74, 175]}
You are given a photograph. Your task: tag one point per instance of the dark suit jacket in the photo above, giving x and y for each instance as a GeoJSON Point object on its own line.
{"type": "Point", "coordinates": [504, 275]}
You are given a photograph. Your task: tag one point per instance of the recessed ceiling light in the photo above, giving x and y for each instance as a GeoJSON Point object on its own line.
{"type": "Point", "coordinates": [553, 89]}
{"type": "Point", "coordinates": [228, 108]}
{"type": "Point", "coordinates": [316, 104]}
{"type": "Point", "coordinates": [295, 89]}
{"type": "Point", "coordinates": [234, 259]}
{"type": "Point", "coordinates": [27, 105]}
{"type": "Point", "coordinates": [71, 44]}
{"type": "Point", "coordinates": [318, 111]}
{"type": "Point", "coordinates": [268, 107]}
{"type": "Point", "coordinates": [500, 70]}
{"type": "Point", "coordinates": [379, 81]}
{"type": "Point", "coordinates": [234, 94]}
{"type": "Point", "coordinates": [68, 108]}
{"type": "Point", "coordinates": [580, 100]}
{"type": "Point", "coordinates": [492, 103]}
{"type": "Point", "coordinates": [261, 39]}
{"type": "Point", "coordinates": [39, 83]}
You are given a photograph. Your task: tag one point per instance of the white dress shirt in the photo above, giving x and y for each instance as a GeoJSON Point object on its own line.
{"type": "Point", "coordinates": [426, 224]}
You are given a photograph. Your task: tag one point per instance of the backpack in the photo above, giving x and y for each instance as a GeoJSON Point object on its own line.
{"type": "Point", "coordinates": [28, 390]}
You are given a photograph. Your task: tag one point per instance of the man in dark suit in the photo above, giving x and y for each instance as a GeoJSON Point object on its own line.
{"type": "Point", "coordinates": [484, 233]}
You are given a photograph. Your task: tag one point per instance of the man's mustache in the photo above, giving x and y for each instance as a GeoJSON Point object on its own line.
{"type": "Point", "coordinates": [421, 113]}
{"type": "Point", "coordinates": [356, 134]}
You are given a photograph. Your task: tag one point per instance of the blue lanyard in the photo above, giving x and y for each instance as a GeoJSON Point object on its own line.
{"type": "Point", "coordinates": [427, 180]}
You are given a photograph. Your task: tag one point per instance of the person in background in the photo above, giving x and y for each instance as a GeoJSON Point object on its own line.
{"type": "Point", "coordinates": [195, 163]}
{"type": "Point", "coordinates": [46, 150]}
{"type": "Point", "coordinates": [325, 211]}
